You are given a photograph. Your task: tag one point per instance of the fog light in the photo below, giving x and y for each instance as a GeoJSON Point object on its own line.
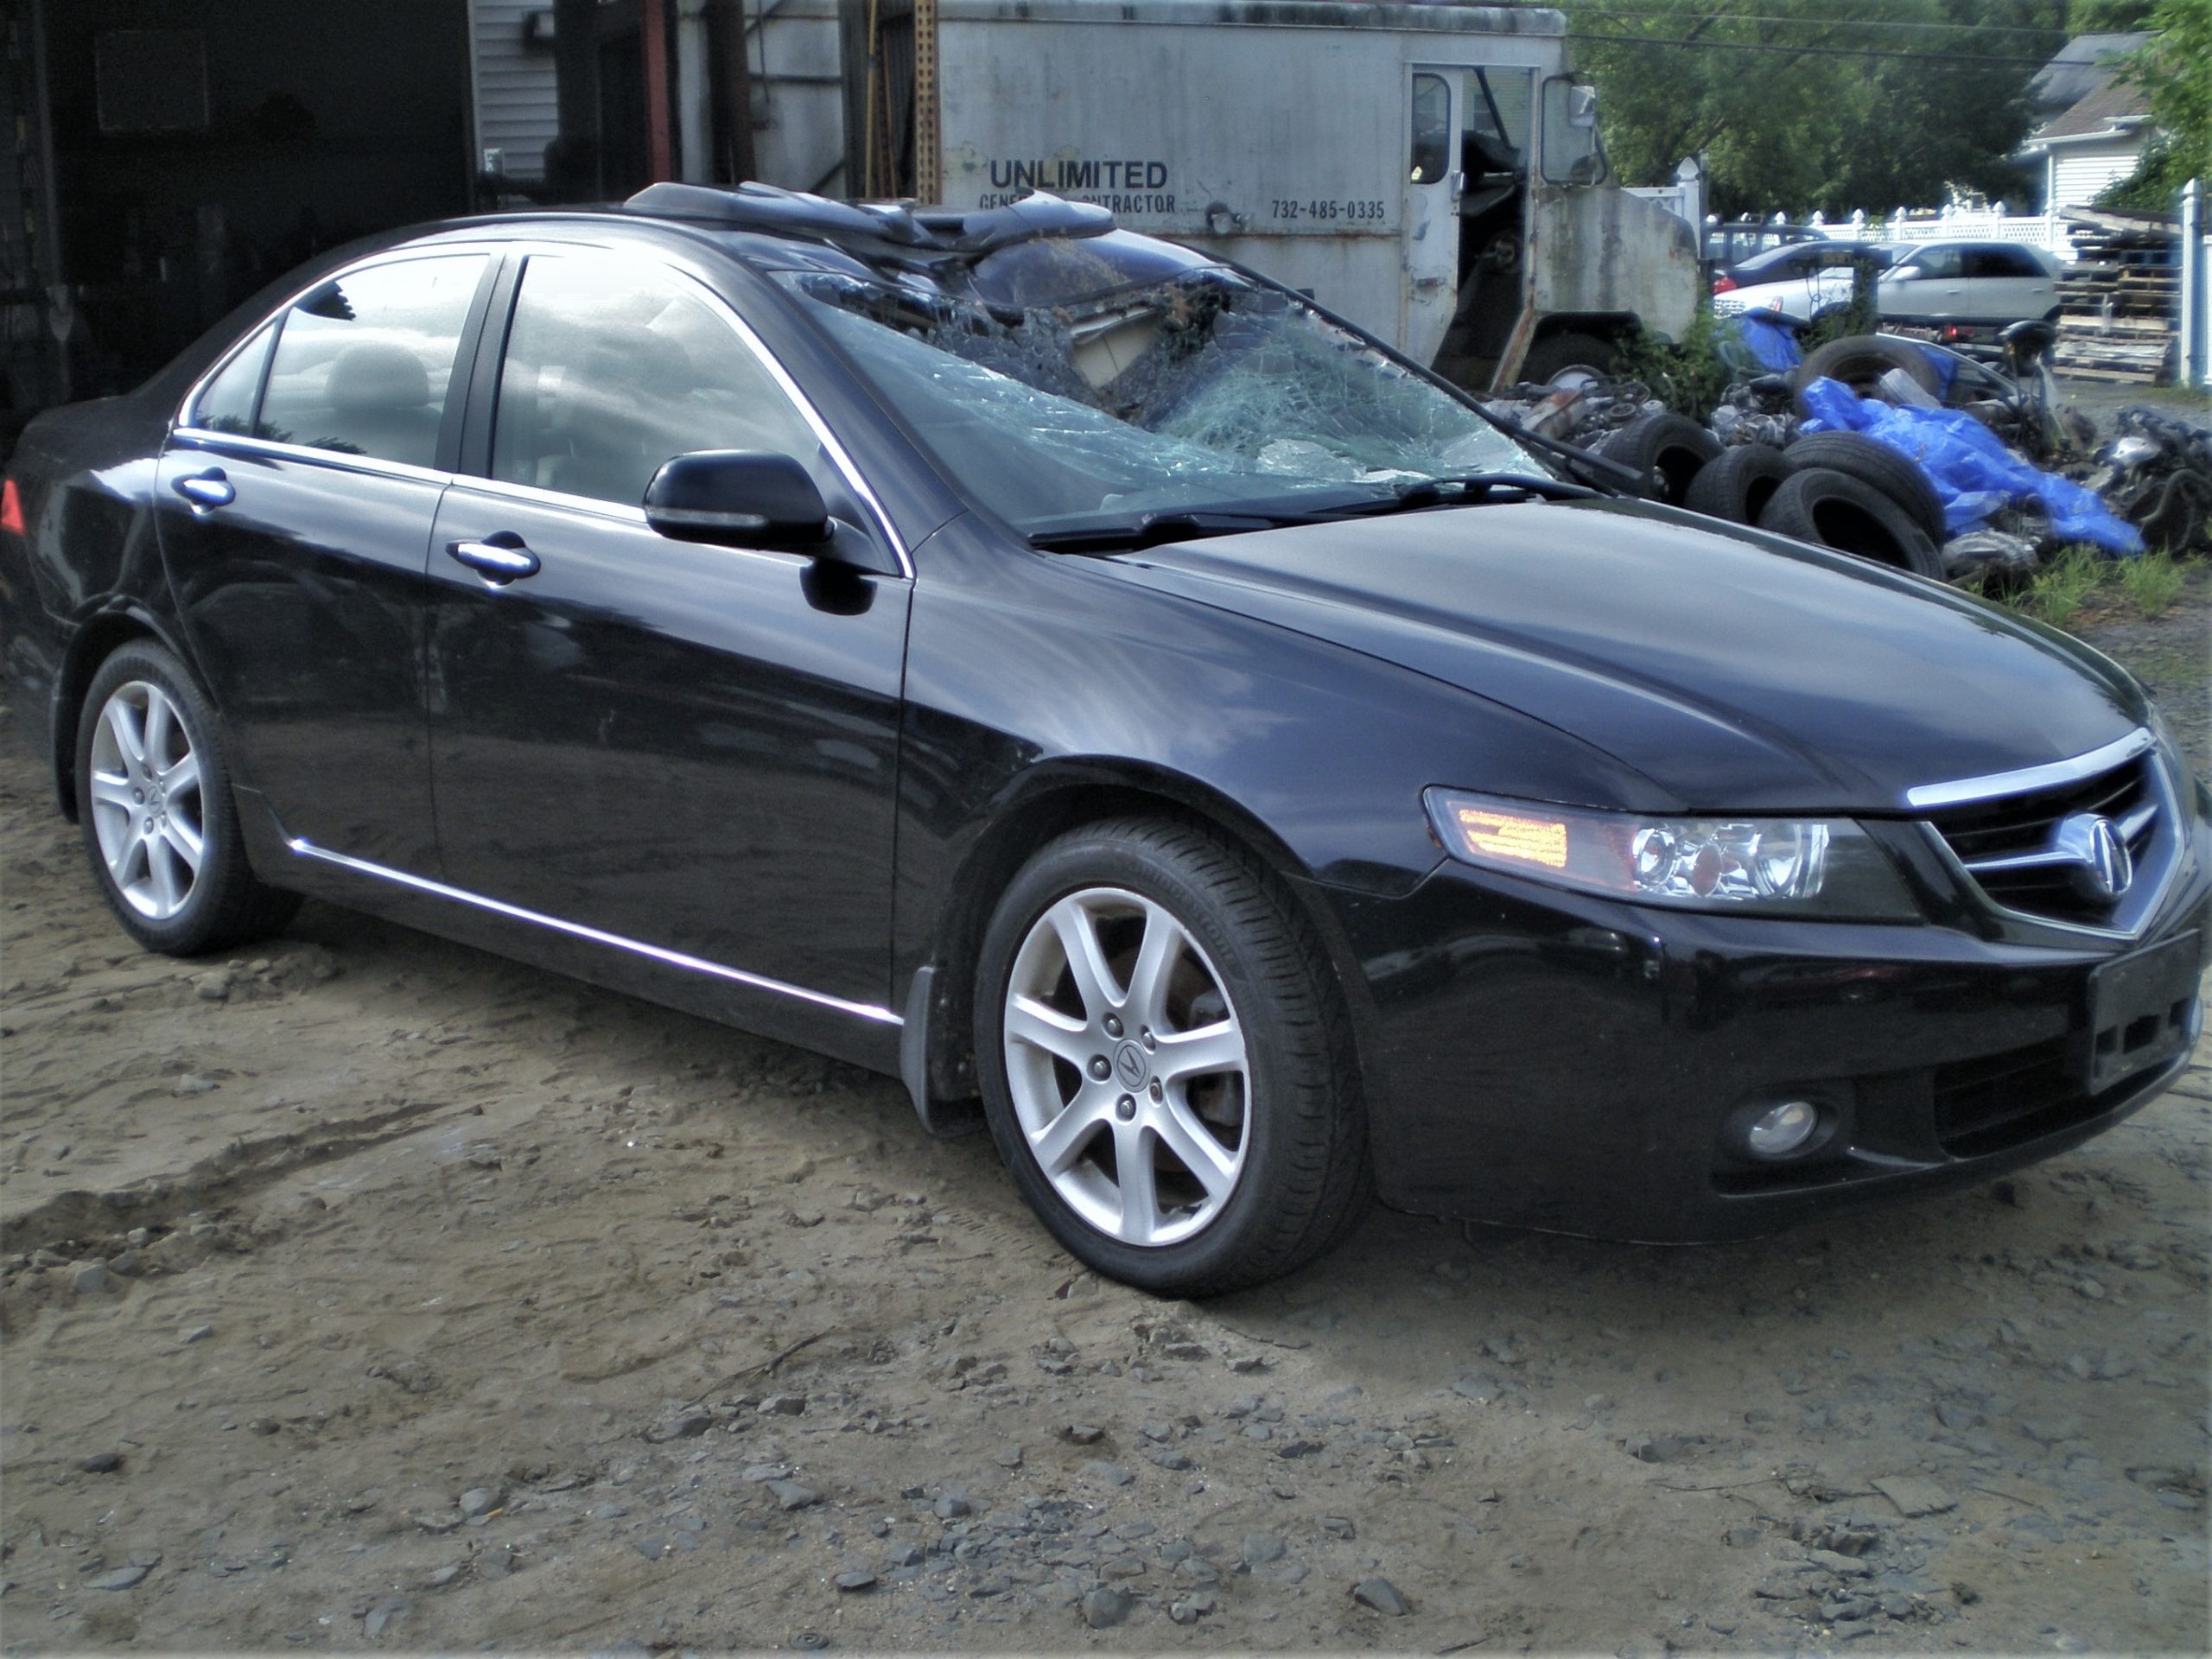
{"type": "Point", "coordinates": [1782, 1129]}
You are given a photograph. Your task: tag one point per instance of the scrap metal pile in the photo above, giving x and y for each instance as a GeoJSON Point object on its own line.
{"type": "Point", "coordinates": [1912, 456]}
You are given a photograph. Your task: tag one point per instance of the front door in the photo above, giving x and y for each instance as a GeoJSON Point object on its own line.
{"type": "Point", "coordinates": [691, 748]}
{"type": "Point", "coordinates": [1430, 292]}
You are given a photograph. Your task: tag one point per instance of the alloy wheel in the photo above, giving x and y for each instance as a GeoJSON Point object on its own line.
{"type": "Point", "coordinates": [146, 801]}
{"type": "Point", "coordinates": [1128, 1066]}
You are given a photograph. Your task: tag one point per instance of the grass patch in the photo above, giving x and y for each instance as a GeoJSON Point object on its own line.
{"type": "Point", "coordinates": [2153, 581]}
{"type": "Point", "coordinates": [2080, 578]}
{"type": "Point", "coordinates": [2056, 592]}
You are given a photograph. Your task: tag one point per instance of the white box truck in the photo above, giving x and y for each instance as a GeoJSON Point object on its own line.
{"type": "Point", "coordinates": [1431, 172]}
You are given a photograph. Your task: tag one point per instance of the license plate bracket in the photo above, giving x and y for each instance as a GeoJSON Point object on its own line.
{"type": "Point", "coordinates": [2141, 1013]}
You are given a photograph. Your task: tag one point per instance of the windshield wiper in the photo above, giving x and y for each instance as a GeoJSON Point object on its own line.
{"type": "Point", "coordinates": [1458, 489]}
{"type": "Point", "coordinates": [1151, 528]}
{"type": "Point", "coordinates": [1599, 470]}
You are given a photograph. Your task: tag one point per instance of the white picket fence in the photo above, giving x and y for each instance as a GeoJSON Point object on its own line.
{"type": "Point", "coordinates": [1991, 224]}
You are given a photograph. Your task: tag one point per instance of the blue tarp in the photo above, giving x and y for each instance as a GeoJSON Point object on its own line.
{"type": "Point", "coordinates": [1769, 338]}
{"type": "Point", "coordinates": [1972, 470]}
{"type": "Point", "coordinates": [1947, 369]}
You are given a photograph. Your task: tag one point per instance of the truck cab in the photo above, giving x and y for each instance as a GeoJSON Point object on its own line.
{"type": "Point", "coordinates": [1431, 172]}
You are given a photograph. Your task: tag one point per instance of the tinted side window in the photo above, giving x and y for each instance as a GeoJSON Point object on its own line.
{"type": "Point", "coordinates": [614, 366]}
{"type": "Point", "coordinates": [363, 364]}
{"type": "Point", "coordinates": [226, 405]}
{"type": "Point", "coordinates": [2001, 262]}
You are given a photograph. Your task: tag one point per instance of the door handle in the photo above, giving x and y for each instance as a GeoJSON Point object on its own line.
{"type": "Point", "coordinates": [206, 490]}
{"type": "Point", "coordinates": [495, 563]}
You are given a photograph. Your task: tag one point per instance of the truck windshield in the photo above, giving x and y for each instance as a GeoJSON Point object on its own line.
{"type": "Point", "coordinates": [1194, 389]}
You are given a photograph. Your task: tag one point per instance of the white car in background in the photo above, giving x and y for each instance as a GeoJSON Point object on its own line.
{"type": "Point", "coordinates": [1953, 291]}
{"type": "Point", "coordinates": [1958, 291]}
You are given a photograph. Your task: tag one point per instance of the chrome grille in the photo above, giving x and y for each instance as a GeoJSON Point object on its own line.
{"type": "Point", "coordinates": [2032, 852]}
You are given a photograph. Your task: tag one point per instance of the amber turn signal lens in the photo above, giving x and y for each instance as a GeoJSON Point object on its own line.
{"type": "Point", "coordinates": [1501, 834]}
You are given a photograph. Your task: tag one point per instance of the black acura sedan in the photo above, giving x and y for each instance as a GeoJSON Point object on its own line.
{"type": "Point", "coordinates": [1059, 670]}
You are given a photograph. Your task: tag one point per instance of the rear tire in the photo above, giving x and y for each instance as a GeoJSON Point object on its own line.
{"type": "Point", "coordinates": [1831, 511]}
{"type": "Point", "coordinates": [1165, 1068]}
{"type": "Point", "coordinates": [154, 802]}
{"type": "Point", "coordinates": [1736, 483]}
{"type": "Point", "coordinates": [1874, 464]}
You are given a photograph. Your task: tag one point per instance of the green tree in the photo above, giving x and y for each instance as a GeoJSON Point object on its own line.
{"type": "Point", "coordinates": [2174, 71]}
{"type": "Point", "coordinates": [2108, 16]}
{"type": "Point", "coordinates": [1798, 104]}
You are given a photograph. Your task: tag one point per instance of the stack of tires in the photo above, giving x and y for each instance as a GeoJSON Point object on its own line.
{"type": "Point", "coordinates": [1839, 490]}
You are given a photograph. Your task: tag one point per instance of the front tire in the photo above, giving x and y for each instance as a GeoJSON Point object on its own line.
{"type": "Point", "coordinates": [154, 802]}
{"type": "Point", "coordinates": [1165, 1070]}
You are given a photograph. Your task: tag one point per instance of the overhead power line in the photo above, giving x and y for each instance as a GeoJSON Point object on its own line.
{"type": "Point", "coordinates": [1810, 51]}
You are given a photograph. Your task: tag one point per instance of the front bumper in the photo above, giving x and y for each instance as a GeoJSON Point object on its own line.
{"type": "Point", "coordinates": [1539, 1059]}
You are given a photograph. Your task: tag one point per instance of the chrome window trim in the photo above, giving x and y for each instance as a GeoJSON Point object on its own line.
{"type": "Point", "coordinates": [1997, 785]}
{"type": "Point", "coordinates": [534, 496]}
{"type": "Point", "coordinates": [611, 512]}
{"type": "Point", "coordinates": [839, 456]}
{"type": "Point", "coordinates": [181, 421]}
{"type": "Point", "coordinates": [203, 438]}
{"type": "Point", "coordinates": [868, 1011]}
{"type": "Point", "coordinates": [2171, 839]}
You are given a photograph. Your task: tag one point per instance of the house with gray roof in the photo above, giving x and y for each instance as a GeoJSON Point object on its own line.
{"type": "Point", "coordinates": [2096, 121]}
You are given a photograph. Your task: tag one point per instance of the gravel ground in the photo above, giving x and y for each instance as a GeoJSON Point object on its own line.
{"type": "Point", "coordinates": [372, 1292]}
{"type": "Point", "coordinates": [2102, 399]}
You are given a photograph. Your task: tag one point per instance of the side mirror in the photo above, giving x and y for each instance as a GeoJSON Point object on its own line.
{"type": "Point", "coordinates": [739, 498]}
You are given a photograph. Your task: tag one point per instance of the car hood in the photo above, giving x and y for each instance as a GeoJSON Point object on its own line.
{"type": "Point", "coordinates": [1734, 671]}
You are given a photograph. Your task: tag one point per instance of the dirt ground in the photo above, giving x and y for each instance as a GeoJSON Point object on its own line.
{"type": "Point", "coordinates": [366, 1290]}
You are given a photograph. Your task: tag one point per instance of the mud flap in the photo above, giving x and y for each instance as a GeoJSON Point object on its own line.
{"type": "Point", "coordinates": [947, 1119]}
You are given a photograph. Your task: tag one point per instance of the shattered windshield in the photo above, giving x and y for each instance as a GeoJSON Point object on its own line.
{"type": "Point", "coordinates": [1190, 390]}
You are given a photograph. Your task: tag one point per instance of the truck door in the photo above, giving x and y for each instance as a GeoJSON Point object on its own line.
{"type": "Point", "coordinates": [1430, 291]}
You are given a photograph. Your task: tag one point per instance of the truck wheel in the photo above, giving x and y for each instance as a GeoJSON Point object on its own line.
{"type": "Point", "coordinates": [1830, 510]}
{"type": "Point", "coordinates": [1673, 447]}
{"type": "Point", "coordinates": [1568, 360]}
{"type": "Point", "coordinates": [1164, 1065]}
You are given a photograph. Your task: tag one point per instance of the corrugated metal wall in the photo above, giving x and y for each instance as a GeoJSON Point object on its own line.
{"type": "Point", "coordinates": [516, 111]}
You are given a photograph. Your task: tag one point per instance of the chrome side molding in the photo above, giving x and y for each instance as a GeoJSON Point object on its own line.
{"type": "Point", "coordinates": [596, 936]}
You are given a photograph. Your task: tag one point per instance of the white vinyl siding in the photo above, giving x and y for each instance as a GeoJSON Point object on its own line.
{"type": "Point", "coordinates": [516, 111]}
{"type": "Point", "coordinates": [2078, 172]}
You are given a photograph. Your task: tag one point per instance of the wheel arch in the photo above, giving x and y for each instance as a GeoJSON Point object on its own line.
{"type": "Point", "coordinates": [1049, 801]}
{"type": "Point", "coordinates": [97, 637]}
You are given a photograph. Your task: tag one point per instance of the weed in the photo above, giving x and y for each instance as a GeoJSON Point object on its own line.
{"type": "Point", "coordinates": [2057, 592]}
{"type": "Point", "coordinates": [2153, 581]}
{"type": "Point", "coordinates": [1688, 375]}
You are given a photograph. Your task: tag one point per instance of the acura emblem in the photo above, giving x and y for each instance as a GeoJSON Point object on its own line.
{"type": "Point", "coordinates": [1128, 1059]}
{"type": "Point", "coordinates": [2102, 868]}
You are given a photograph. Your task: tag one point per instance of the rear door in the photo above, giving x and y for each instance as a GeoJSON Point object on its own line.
{"type": "Point", "coordinates": [294, 509]}
{"type": "Point", "coordinates": [687, 749]}
{"type": "Point", "coordinates": [2006, 283]}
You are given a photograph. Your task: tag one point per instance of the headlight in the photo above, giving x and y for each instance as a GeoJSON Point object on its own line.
{"type": "Point", "coordinates": [1775, 866]}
